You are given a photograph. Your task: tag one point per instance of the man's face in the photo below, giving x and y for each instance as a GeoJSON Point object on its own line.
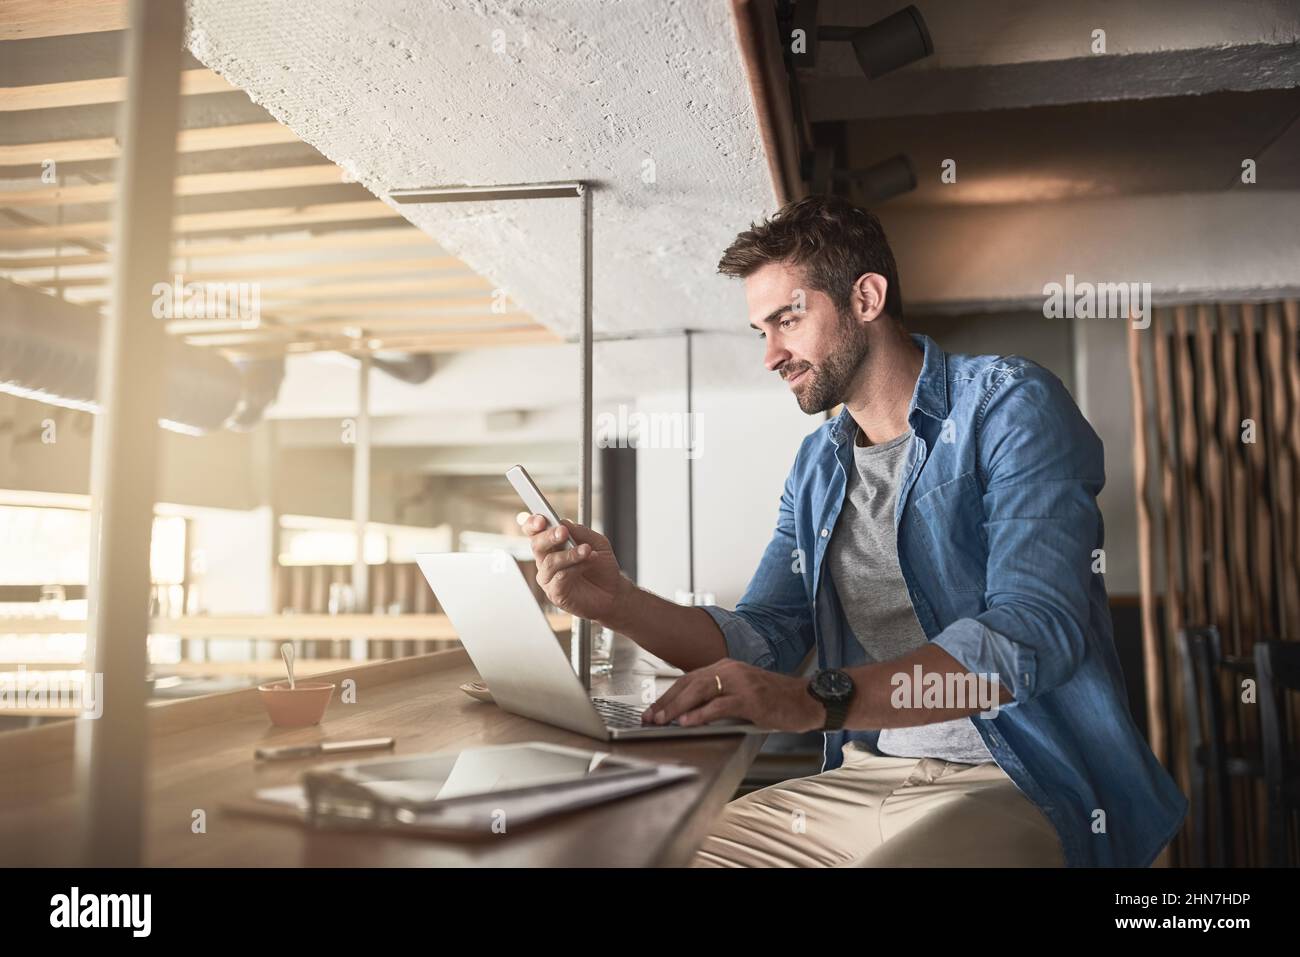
{"type": "Point", "coordinates": [809, 343]}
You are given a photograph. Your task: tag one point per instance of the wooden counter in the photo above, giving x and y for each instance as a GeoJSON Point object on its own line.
{"type": "Point", "coordinates": [201, 755]}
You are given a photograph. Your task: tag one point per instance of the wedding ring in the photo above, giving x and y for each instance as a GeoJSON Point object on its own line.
{"type": "Point", "coordinates": [718, 679]}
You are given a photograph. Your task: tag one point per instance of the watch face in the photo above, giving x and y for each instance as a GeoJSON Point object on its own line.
{"type": "Point", "coordinates": [834, 685]}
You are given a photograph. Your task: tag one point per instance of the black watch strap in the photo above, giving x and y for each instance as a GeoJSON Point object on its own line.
{"type": "Point", "coordinates": [837, 709]}
{"type": "Point", "coordinates": [836, 712]}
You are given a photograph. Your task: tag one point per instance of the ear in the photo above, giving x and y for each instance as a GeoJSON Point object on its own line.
{"type": "Point", "coordinates": [868, 301]}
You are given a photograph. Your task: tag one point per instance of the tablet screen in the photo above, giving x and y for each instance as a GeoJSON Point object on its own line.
{"type": "Point", "coordinates": [426, 779]}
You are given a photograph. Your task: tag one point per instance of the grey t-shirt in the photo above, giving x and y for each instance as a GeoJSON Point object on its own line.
{"type": "Point", "coordinates": [862, 557]}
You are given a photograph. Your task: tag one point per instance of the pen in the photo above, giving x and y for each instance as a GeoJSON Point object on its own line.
{"type": "Point", "coordinates": [289, 751]}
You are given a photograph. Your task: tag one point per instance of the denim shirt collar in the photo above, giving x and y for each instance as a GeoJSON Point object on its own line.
{"type": "Point", "coordinates": [930, 397]}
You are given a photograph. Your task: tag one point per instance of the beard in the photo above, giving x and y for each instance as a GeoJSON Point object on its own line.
{"type": "Point", "coordinates": [826, 385]}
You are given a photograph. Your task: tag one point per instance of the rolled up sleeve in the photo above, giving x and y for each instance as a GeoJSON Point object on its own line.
{"type": "Point", "coordinates": [983, 651]}
{"type": "Point", "coordinates": [744, 641]}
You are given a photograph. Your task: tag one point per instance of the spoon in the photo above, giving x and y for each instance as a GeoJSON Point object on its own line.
{"type": "Point", "coordinates": [286, 652]}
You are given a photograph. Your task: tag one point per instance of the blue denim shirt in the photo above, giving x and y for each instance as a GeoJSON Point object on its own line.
{"type": "Point", "coordinates": [997, 524]}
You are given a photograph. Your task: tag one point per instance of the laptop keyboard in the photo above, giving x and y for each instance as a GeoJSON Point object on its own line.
{"type": "Point", "coordinates": [618, 714]}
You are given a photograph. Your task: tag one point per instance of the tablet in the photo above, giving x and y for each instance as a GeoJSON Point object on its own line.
{"type": "Point", "coordinates": [428, 779]}
{"type": "Point", "coordinates": [477, 791]}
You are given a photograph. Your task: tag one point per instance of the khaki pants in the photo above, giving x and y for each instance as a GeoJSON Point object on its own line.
{"type": "Point", "coordinates": [882, 811]}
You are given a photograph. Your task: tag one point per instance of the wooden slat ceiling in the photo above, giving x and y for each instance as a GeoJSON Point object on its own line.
{"type": "Point", "coordinates": [235, 136]}
{"type": "Point", "coordinates": [109, 89]}
{"type": "Point", "coordinates": [198, 184]}
{"type": "Point", "coordinates": [31, 19]}
{"type": "Point", "coordinates": [335, 273]}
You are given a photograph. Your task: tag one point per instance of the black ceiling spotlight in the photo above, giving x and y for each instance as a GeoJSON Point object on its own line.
{"type": "Point", "coordinates": [867, 187]}
{"type": "Point", "coordinates": [897, 40]}
{"type": "Point", "coordinates": [818, 170]}
{"type": "Point", "coordinates": [882, 181]}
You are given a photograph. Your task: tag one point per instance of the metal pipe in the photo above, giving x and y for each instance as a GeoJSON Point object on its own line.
{"type": "Point", "coordinates": [563, 190]}
{"type": "Point", "coordinates": [690, 471]}
{"type": "Point", "coordinates": [483, 194]}
{"type": "Point", "coordinates": [582, 630]}
{"type": "Point", "coordinates": [361, 500]}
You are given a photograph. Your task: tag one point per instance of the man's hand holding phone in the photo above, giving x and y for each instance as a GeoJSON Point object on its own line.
{"type": "Point", "coordinates": [584, 581]}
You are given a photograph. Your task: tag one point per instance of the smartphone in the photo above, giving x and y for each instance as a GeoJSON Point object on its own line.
{"type": "Point", "coordinates": [532, 497]}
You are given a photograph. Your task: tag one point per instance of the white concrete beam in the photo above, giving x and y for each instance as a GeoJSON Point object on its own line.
{"type": "Point", "coordinates": [647, 100]}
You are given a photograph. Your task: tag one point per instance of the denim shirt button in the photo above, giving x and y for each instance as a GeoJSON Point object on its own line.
{"type": "Point", "coordinates": [825, 532]}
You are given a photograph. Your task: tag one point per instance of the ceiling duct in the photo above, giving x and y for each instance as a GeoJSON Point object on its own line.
{"type": "Point", "coordinates": [261, 385]}
{"type": "Point", "coordinates": [49, 351]}
{"type": "Point", "coordinates": [413, 369]}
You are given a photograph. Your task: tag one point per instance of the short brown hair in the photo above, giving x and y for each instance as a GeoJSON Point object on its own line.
{"type": "Point", "coordinates": [833, 241]}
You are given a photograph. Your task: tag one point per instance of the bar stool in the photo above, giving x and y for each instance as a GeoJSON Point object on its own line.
{"type": "Point", "coordinates": [1278, 666]}
{"type": "Point", "coordinates": [1211, 761]}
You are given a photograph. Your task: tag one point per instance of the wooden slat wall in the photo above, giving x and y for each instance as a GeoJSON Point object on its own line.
{"type": "Point", "coordinates": [1226, 508]}
{"type": "Point", "coordinates": [1151, 650]}
{"type": "Point", "coordinates": [1171, 512]}
{"type": "Point", "coordinates": [1291, 321]}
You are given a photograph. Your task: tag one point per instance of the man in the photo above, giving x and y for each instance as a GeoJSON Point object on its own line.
{"type": "Point", "coordinates": [937, 543]}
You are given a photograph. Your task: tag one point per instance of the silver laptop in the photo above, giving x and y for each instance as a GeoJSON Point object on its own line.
{"type": "Point", "coordinates": [515, 651]}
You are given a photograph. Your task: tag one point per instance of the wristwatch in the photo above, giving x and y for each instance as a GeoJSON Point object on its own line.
{"type": "Point", "coordinates": [834, 689]}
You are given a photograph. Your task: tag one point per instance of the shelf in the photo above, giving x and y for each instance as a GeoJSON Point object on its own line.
{"type": "Point", "coordinates": [435, 627]}
{"type": "Point", "coordinates": [269, 667]}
